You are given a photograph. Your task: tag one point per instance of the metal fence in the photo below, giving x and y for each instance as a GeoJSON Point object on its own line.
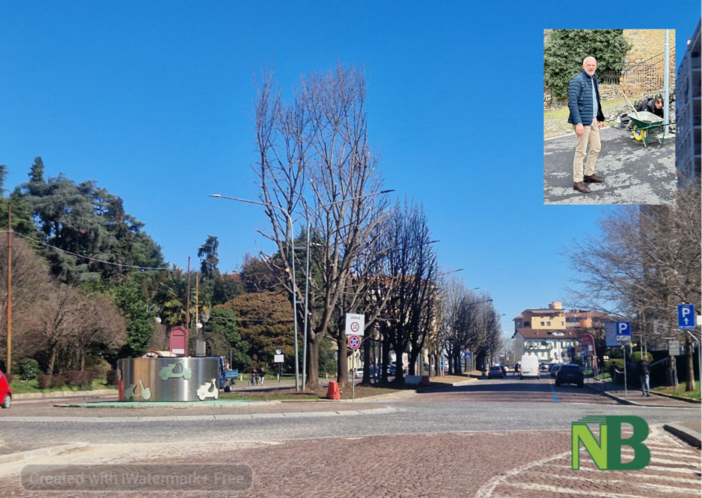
{"type": "Point", "coordinates": [645, 78]}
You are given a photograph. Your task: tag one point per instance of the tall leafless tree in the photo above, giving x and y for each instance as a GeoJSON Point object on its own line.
{"type": "Point", "coordinates": [314, 162]}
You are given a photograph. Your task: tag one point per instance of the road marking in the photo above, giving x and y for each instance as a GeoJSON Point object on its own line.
{"type": "Point", "coordinates": [553, 391]}
{"type": "Point", "coordinates": [558, 489]}
{"type": "Point", "coordinates": [659, 487]}
{"type": "Point", "coordinates": [645, 476]}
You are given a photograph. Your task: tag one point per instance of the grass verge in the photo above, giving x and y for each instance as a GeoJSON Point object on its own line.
{"type": "Point", "coordinates": [31, 386]}
{"type": "Point", "coordinates": [680, 391]}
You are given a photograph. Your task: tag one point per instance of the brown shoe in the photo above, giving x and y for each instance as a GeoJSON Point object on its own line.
{"type": "Point", "coordinates": [593, 179]}
{"type": "Point", "coordinates": [581, 187]}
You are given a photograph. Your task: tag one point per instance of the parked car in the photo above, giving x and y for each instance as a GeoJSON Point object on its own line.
{"type": "Point", "coordinates": [359, 373]}
{"type": "Point", "coordinates": [496, 371]}
{"type": "Point", "coordinates": [554, 370]}
{"type": "Point", "coordinates": [543, 367]}
{"type": "Point", "coordinates": [570, 374]}
{"type": "Point", "coordinates": [5, 392]}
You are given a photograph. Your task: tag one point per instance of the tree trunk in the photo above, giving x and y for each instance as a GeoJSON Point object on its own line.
{"type": "Point", "coordinates": [690, 365]}
{"type": "Point", "coordinates": [385, 360]}
{"type": "Point", "coordinates": [52, 361]}
{"type": "Point", "coordinates": [313, 360]}
{"type": "Point", "coordinates": [342, 372]}
{"type": "Point", "coordinates": [366, 360]}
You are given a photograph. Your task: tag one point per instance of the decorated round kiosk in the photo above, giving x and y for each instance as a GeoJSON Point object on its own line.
{"type": "Point", "coordinates": [166, 376]}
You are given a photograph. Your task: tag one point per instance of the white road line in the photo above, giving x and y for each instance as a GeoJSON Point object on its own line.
{"type": "Point", "coordinates": [638, 475]}
{"type": "Point", "coordinates": [650, 467]}
{"type": "Point", "coordinates": [556, 489]}
{"type": "Point", "coordinates": [659, 487]}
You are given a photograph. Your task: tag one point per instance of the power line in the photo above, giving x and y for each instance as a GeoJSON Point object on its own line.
{"type": "Point", "coordinates": [119, 265]}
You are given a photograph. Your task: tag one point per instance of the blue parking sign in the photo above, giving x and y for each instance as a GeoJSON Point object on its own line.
{"type": "Point", "coordinates": [686, 316]}
{"type": "Point", "coordinates": [623, 331]}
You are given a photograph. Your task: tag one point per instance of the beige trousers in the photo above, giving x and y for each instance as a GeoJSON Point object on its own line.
{"type": "Point", "coordinates": [591, 137]}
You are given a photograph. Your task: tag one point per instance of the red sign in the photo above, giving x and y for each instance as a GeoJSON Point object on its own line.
{"type": "Point", "coordinates": [354, 342]}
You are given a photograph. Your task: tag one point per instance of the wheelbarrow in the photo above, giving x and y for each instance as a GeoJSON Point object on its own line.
{"type": "Point", "coordinates": [647, 121]}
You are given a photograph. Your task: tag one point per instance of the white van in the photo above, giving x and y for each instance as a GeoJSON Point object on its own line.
{"type": "Point", "coordinates": [530, 367]}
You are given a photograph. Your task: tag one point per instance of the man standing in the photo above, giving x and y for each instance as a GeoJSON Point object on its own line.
{"type": "Point", "coordinates": [587, 118]}
{"type": "Point", "coordinates": [644, 370]}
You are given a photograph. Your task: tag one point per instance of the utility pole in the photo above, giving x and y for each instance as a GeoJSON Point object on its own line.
{"type": "Point", "coordinates": [8, 367]}
{"type": "Point", "coordinates": [197, 303]}
{"type": "Point", "coordinates": [187, 301]}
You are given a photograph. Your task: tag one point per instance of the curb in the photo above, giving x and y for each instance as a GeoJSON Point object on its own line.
{"type": "Point", "coordinates": [680, 398]}
{"type": "Point", "coordinates": [65, 394]}
{"type": "Point", "coordinates": [690, 436]}
{"type": "Point", "coordinates": [50, 451]}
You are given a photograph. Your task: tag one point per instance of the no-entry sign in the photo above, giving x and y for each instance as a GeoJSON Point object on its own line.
{"type": "Point", "coordinates": [355, 324]}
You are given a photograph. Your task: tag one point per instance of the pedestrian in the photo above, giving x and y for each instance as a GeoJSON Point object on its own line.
{"type": "Point", "coordinates": [254, 377]}
{"type": "Point", "coordinates": [262, 375]}
{"type": "Point", "coordinates": [644, 370]}
{"type": "Point", "coordinates": [654, 106]}
{"type": "Point", "coordinates": [587, 118]}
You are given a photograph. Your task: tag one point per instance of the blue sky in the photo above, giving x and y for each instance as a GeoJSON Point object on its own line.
{"type": "Point", "coordinates": [153, 100]}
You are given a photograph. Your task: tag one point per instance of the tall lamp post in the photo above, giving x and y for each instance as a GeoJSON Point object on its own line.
{"type": "Point", "coordinates": [307, 276]}
{"type": "Point", "coordinates": [292, 277]}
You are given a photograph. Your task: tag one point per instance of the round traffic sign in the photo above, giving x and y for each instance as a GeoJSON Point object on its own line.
{"type": "Point", "coordinates": [354, 342]}
{"type": "Point", "coordinates": [355, 326]}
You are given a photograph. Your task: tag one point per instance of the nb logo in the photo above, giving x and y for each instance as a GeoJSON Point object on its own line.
{"type": "Point", "coordinates": [607, 454]}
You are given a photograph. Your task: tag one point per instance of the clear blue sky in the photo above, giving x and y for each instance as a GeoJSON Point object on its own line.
{"type": "Point", "coordinates": [153, 100]}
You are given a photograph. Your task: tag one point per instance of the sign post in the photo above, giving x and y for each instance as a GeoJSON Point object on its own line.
{"type": "Point", "coordinates": [354, 344]}
{"type": "Point", "coordinates": [623, 330]}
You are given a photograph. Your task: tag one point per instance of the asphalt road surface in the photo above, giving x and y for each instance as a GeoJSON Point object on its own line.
{"type": "Point", "coordinates": [633, 174]}
{"type": "Point", "coordinates": [491, 438]}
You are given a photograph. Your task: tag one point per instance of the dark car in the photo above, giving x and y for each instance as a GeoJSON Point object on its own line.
{"type": "Point", "coordinates": [570, 374]}
{"type": "Point", "coordinates": [554, 370]}
{"type": "Point", "coordinates": [5, 392]}
{"type": "Point", "coordinates": [496, 371]}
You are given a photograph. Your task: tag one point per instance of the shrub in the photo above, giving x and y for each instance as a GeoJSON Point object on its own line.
{"type": "Point", "coordinates": [58, 381]}
{"type": "Point", "coordinates": [79, 378]}
{"type": "Point", "coordinates": [44, 381]}
{"type": "Point", "coordinates": [566, 49]}
{"type": "Point", "coordinates": [29, 369]}
{"type": "Point", "coordinates": [112, 378]}
{"type": "Point", "coordinates": [98, 366]}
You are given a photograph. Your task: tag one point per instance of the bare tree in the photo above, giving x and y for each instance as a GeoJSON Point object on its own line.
{"type": "Point", "coordinates": [646, 261]}
{"type": "Point", "coordinates": [412, 268]}
{"type": "Point", "coordinates": [315, 164]}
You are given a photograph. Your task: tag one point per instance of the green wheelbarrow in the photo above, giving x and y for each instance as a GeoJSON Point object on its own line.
{"type": "Point", "coordinates": [644, 123]}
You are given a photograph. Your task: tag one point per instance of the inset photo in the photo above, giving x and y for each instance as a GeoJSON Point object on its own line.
{"type": "Point", "coordinates": [609, 116]}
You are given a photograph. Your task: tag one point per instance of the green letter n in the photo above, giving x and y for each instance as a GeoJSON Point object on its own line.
{"type": "Point", "coordinates": [598, 451]}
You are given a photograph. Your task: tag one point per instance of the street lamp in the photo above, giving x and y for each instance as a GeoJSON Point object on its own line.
{"type": "Point", "coordinates": [307, 275]}
{"type": "Point", "coordinates": [292, 262]}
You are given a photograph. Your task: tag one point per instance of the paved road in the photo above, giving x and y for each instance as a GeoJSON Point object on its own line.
{"type": "Point", "coordinates": [633, 174]}
{"type": "Point", "coordinates": [491, 438]}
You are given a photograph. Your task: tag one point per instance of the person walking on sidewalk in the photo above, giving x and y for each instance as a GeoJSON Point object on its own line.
{"type": "Point", "coordinates": [254, 377]}
{"type": "Point", "coordinates": [587, 118]}
{"type": "Point", "coordinates": [644, 370]}
{"type": "Point", "coordinates": [262, 375]}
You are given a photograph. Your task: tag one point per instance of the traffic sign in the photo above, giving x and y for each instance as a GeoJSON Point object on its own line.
{"type": "Point", "coordinates": [686, 316]}
{"type": "Point", "coordinates": [355, 324]}
{"type": "Point", "coordinates": [354, 342]}
{"type": "Point", "coordinates": [674, 348]}
{"type": "Point", "coordinates": [278, 358]}
{"type": "Point", "coordinates": [623, 332]}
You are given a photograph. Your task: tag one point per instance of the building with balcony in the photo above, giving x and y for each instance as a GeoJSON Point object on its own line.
{"type": "Point", "coordinates": [549, 333]}
{"type": "Point", "coordinates": [688, 96]}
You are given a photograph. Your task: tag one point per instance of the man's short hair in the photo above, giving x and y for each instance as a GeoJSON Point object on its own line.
{"type": "Point", "coordinates": [590, 57]}
{"type": "Point", "coordinates": [658, 100]}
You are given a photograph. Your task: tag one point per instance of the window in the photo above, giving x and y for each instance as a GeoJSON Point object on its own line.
{"type": "Point", "coordinates": [548, 323]}
{"type": "Point", "coordinates": [542, 324]}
